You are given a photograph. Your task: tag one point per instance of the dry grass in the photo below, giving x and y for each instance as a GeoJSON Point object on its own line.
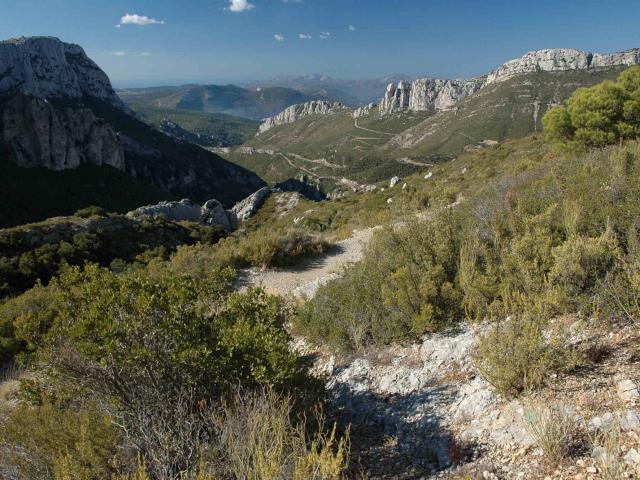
{"type": "Point", "coordinates": [553, 427]}
{"type": "Point", "coordinates": [260, 441]}
{"type": "Point", "coordinates": [609, 454]}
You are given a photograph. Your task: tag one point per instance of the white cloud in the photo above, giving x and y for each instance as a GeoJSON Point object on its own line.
{"type": "Point", "coordinates": [240, 5]}
{"type": "Point", "coordinates": [352, 28]}
{"type": "Point", "coordinates": [278, 37]}
{"type": "Point", "coordinates": [324, 35]}
{"type": "Point", "coordinates": [304, 36]}
{"type": "Point", "coordinates": [135, 19]}
{"type": "Point", "coordinates": [118, 53]}
{"type": "Point", "coordinates": [145, 54]}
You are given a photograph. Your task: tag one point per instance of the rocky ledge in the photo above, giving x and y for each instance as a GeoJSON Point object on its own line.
{"type": "Point", "coordinates": [295, 112]}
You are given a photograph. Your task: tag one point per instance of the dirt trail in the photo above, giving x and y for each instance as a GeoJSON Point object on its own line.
{"type": "Point", "coordinates": [355, 124]}
{"type": "Point", "coordinates": [304, 279]}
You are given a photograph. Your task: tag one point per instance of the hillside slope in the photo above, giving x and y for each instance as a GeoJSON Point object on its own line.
{"type": "Point", "coordinates": [374, 147]}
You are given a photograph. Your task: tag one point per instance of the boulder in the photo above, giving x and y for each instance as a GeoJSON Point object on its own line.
{"type": "Point", "coordinates": [627, 391]}
{"type": "Point", "coordinates": [184, 210]}
{"type": "Point", "coordinates": [394, 181]}
{"type": "Point", "coordinates": [248, 207]}
{"type": "Point", "coordinates": [214, 213]}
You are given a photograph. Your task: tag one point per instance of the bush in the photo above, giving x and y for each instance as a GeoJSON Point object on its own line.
{"type": "Point", "coordinates": [40, 251]}
{"type": "Point", "coordinates": [260, 440]}
{"type": "Point", "coordinates": [90, 211]}
{"type": "Point", "coordinates": [580, 262]}
{"type": "Point", "coordinates": [597, 116]}
{"type": "Point", "coordinates": [268, 249]}
{"type": "Point", "coordinates": [514, 355]}
{"type": "Point", "coordinates": [39, 440]}
{"type": "Point", "coordinates": [156, 350]}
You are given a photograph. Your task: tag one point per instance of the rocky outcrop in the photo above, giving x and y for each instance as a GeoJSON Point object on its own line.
{"type": "Point", "coordinates": [248, 207]}
{"type": "Point", "coordinates": [38, 134]}
{"type": "Point", "coordinates": [433, 94]}
{"type": "Point", "coordinates": [364, 111]}
{"type": "Point", "coordinates": [295, 112]}
{"type": "Point", "coordinates": [211, 213]}
{"type": "Point", "coordinates": [561, 59]}
{"type": "Point", "coordinates": [184, 210]}
{"type": "Point", "coordinates": [49, 68]}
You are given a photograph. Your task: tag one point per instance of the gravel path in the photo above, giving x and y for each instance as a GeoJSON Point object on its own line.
{"type": "Point", "coordinates": [303, 280]}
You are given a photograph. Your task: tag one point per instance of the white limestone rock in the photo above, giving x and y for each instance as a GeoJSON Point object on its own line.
{"type": "Point", "coordinates": [295, 112]}
{"type": "Point", "coordinates": [394, 181]}
{"type": "Point", "coordinates": [561, 59]}
{"type": "Point", "coordinates": [47, 67]}
{"type": "Point", "coordinates": [214, 213]}
{"type": "Point", "coordinates": [248, 207]}
{"type": "Point", "coordinates": [364, 111]}
{"type": "Point", "coordinates": [184, 210]}
{"type": "Point", "coordinates": [434, 94]}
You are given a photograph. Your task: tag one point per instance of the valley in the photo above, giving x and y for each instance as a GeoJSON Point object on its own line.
{"type": "Point", "coordinates": [311, 278]}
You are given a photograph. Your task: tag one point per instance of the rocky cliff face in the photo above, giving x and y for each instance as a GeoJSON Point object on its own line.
{"type": "Point", "coordinates": [295, 112]}
{"type": "Point", "coordinates": [47, 67]}
{"type": "Point", "coordinates": [561, 59]}
{"type": "Point", "coordinates": [38, 134]}
{"type": "Point", "coordinates": [427, 94]}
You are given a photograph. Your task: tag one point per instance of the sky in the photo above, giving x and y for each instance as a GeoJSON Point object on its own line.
{"type": "Point", "coordinates": [161, 42]}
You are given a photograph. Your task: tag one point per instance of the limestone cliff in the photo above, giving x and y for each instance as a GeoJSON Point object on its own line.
{"type": "Point", "coordinates": [561, 59]}
{"type": "Point", "coordinates": [295, 112]}
{"type": "Point", "coordinates": [38, 134]}
{"type": "Point", "coordinates": [426, 94]}
{"type": "Point", "coordinates": [47, 67]}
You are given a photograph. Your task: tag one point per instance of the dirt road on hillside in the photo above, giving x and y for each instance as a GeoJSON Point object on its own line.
{"type": "Point", "coordinates": [303, 280]}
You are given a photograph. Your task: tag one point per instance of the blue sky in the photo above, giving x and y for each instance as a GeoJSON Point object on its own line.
{"type": "Point", "coordinates": [219, 41]}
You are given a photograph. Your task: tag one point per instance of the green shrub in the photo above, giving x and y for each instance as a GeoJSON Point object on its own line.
{"type": "Point", "coordinates": [580, 262]}
{"type": "Point", "coordinates": [38, 440]}
{"type": "Point", "coordinates": [597, 116]}
{"type": "Point", "coordinates": [348, 313]}
{"type": "Point", "coordinates": [90, 211]}
{"type": "Point", "coordinates": [514, 355]}
{"type": "Point", "coordinates": [40, 251]}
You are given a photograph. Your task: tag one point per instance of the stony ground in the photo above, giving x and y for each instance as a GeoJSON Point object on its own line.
{"type": "Point", "coordinates": [421, 411]}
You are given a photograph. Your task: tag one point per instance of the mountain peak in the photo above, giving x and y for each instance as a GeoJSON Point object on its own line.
{"type": "Point", "coordinates": [50, 68]}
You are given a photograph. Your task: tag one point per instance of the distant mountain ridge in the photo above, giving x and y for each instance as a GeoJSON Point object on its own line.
{"type": "Point", "coordinates": [353, 93]}
{"type": "Point", "coordinates": [253, 103]}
